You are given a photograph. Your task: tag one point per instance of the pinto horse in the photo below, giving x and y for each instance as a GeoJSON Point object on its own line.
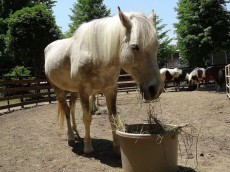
{"type": "Point", "coordinates": [197, 76]}
{"type": "Point", "coordinates": [215, 74]}
{"type": "Point", "coordinates": [90, 61]}
{"type": "Point", "coordinates": [174, 75]}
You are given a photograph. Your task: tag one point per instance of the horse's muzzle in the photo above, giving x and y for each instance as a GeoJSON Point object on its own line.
{"type": "Point", "coordinates": [150, 93]}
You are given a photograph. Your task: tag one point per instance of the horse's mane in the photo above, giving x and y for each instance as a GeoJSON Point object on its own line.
{"type": "Point", "coordinates": [103, 38]}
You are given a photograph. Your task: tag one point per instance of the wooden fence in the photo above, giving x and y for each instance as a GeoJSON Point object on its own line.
{"type": "Point", "coordinates": [18, 93]}
{"type": "Point", "coordinates": [227, 75]}
{"type": "Point", "coordinates": [14, 93]}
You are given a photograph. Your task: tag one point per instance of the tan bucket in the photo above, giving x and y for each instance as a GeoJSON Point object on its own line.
{"type": "Point", "coordinates": [148, 152]}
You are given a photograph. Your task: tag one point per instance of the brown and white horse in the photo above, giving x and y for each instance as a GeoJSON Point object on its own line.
{"type": "Point", "coordinates": [215, 74]}
{"type": "Point", "coordinates": [90, 62]}
{"type": "Point", "coordinates": [174, 75]}
{"type": "Point", "coordinates": [197, 76]}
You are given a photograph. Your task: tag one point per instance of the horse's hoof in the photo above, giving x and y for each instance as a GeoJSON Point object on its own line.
{"type": "Point", "coordinates": [88, 150]}
{"type": "Point", "coordinates": [77, 137]}
{"type": "Point", "coordinates": [71, 143]}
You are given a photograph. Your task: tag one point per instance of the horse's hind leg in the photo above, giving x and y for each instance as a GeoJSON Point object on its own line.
{"type": "Point", "coordinates": [73, 100]}
{"type": "Point", "coordinates": [64, 110]}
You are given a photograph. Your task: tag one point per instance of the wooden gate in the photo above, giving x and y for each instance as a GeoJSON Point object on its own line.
{"type": "Point", "coordinates": [227, 75]}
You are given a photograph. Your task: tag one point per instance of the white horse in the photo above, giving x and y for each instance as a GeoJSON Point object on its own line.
{"type": "Point", "coordinates": [90, 62]}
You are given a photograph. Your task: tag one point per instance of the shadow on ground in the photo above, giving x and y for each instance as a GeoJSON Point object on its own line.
{"type": "Point", "coordinates": [103, 151]}
{"type": "Point", "coordinates": [185, 169]}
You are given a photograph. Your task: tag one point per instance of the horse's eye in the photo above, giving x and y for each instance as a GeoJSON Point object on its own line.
{"type": "Point", "coordinates": [135, 47]}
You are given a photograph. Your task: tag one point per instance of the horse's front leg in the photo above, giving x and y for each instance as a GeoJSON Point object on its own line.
{"type": "Point", "coordinates": [87, 118]}
{"type": "Point", "coordinates": [111, 98]}
{"type": "Point", "coordinates": [198, 85]}
{"type": "Point", "coordinates": [178, 86]}
{"type": "Point", "coordinates": [92, 104]}
{"type": "Point", "coordinates": [175, 85]}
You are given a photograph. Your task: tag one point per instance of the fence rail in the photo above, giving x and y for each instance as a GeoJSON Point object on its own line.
{"type": "Point", "coordinates": [18, 93]}
{"type": "Point", "coordinates": [14, 93]}
{"type": "Point", "coordinates": [227, 75]}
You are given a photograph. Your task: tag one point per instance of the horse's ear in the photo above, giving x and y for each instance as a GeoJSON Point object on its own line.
{"type": "Point", "coordinates": [124, 19]}
{"type": "Point", "coordinates": [152, 18]}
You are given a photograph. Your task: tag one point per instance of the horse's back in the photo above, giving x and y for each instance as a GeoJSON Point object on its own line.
{"type": "Point", "coordinates": [163, 73]}
{"type": "Point", "coordinates": [57, 49]}
{"type": "Point", "coordinates": [199, 72]}
{"type": "Point", "coordinates": [58, 66]}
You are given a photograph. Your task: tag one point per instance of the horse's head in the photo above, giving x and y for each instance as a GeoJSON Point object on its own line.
{"type": "Point", "coordinates": [139, 53]}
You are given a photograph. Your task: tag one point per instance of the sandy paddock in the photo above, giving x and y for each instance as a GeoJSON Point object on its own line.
{"type": "Point", "coordinates": [31, 141]}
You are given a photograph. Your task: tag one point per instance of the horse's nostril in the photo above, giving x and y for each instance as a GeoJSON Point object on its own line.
{"type": "Point", "coordinates": [152, 90]}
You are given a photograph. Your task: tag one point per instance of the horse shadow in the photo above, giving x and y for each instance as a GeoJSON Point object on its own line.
{"type": "Point", "coordinates": [103, 151]}
{"type": "Point", "coordinates": [185, 169]}
{"type": "Point", "coordinates": [205, 87]}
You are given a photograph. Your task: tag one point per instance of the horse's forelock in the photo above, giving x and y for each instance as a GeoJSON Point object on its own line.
{"type": "Point", "coordinates": [144, 30]}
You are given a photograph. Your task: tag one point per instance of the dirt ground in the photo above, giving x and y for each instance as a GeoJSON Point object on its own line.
{"type": "Point", "coordinates": [31, 141]}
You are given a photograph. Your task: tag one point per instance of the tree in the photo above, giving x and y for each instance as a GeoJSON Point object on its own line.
{"type": "Point", "coordinates": [30, 31]}
{"type": "Point", "coordinates": [166, 49]}
{"type": "Point", "coordinates": [9, 7]}
{"type": "Point", "coordinates": [18, 72]}
{"type": "Point", "coordinates": [6, 9]}
{"type": "Point", "coordinates": [48, 3]}
{"type": "Point", "coordinates": [203, 28]}
{"type": "Point", "coordinates": [86, 10]}
{"type": "Point", "coordinates": [4, 61]}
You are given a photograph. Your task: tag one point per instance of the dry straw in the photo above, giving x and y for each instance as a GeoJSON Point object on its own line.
{"type": "Point", "coordinates": [188, 134]}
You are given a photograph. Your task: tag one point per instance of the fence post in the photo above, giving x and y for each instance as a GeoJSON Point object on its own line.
{"type": "Point", "coordinates": [49, 95]}
{"type": "Point", "coordinates": [227, 79]}
{"type": "Point", "coordinates": [21, 92]}
{"type": "Point", "coordinates": [8, 103]}
{"type": "Point", "coordinates": [37, 91]}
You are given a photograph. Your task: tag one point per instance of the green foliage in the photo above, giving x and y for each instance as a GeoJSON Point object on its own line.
{"type": "Point", "coordinates": [3, 29]}
{"type": "Point", "coordinates": [6, 61]}
{"type": "Point", "coordinates": [166, 49]}
{"type": "Point", "coordinates": [49, 3]}
{"type": "Point", "coordinates": [30, 31]}
{"type": "Point", "coordinates": [203, 28]}
{"type": "Point", "coordinates": [8, 7]}
{"type": "Point", "coordinates": [19, 72]}
{"type": "Point", "coordinates": [86, 10]}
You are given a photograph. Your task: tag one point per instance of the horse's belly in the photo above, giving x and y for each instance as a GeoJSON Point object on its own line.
{"type": "Point", "coordinates": [67, 85]}
{"type": "Point", "coordinates": [63, 82]}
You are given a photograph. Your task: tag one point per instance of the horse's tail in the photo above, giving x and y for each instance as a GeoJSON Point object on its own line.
{"type": "Point", "coordinates": [61, 115]}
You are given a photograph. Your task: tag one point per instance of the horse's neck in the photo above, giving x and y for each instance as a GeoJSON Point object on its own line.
{"type": "Point", "coordinates": [101, 39]}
